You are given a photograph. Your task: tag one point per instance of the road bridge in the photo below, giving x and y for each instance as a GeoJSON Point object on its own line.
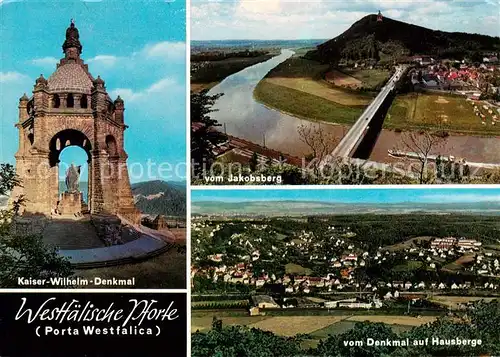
{"type": "Point", "coordinates": [354, 136]}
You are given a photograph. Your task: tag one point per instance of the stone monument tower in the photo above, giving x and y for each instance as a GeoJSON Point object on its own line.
{"type": "Point", "coordinates": [71, 107]}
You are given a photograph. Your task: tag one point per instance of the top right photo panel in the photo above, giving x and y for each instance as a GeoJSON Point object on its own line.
{"type": "Point", "coordinates": [345, 92]}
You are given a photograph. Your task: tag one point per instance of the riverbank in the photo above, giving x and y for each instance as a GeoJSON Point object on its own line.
{"type": "Point", "coordinates": [207, 74]}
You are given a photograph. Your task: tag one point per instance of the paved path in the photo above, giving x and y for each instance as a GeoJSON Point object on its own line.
{"type": "Point", "coordinates": [135, 250]}
{"type": "Point", "coordinates": [71, 234]}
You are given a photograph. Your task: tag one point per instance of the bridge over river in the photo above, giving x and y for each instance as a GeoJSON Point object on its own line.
{"type": "Point", "coordinates": [357, 132]}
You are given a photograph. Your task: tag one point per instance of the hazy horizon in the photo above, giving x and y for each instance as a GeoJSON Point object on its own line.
{"type": "Point", "coordinates": [319, 19]}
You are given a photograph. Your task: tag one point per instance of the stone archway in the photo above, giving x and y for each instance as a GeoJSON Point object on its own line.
{"type": "Point", "coordinates": [69, 108]}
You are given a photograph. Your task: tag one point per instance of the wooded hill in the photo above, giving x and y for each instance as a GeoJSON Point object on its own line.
{"type": "Point", "coordinates": [368, 38]}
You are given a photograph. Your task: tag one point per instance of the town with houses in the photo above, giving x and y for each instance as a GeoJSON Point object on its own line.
{"type": "Point", "coordinates": [453, 264]}
{"type": "Point", "coordinates": [478, 82]}
{"type": "Point", "coordinates": [461, 76]}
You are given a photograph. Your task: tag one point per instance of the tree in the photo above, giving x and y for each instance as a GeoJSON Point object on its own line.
{"type": "Point", "coordinates": [423, 144]}
{"type": "Point", "coordinates": [254, 162]}
{"type": "Point", "coordinates": [238, 341]}
{"type": "Point", "coordinates": [318, 141]}
{"type": "Point", "coordinates": [204, 134]}
{"type": "Point", "coordinates": [23, 255]}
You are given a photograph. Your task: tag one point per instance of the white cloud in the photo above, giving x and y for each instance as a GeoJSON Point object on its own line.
{"type": "Point", "coordinates": [9, 77]}
{"type": "Point", "coordinates": [165, 50]}
{"type": "Point", "coordinates": [165, 86]}
{"type": "Point", "coordinates": [306, 19]}
{"type": "Point", "coordinates": [104, 60]}
{"type": "Point", "coordinates": [173, 52]}
{"type": "Point", "coordinates": [261, 6]}
{"type": "Point", "coordinates": [45, 61]}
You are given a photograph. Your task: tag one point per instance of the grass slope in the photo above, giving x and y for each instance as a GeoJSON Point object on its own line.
{"type": "Point", "coordinates": [304, 105]}
{"type": "Point", "coordinates": [417, 111]}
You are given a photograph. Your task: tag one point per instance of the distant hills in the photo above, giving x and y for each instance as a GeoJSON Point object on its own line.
{"type": "Point", "coordinates": [160, 197]}
{"type": "Point", "coordinates": [304, 208]}
{"type": "Point", "coordinates": [152, 197]}
{"type": "Point", "coordinates": [368, 38]}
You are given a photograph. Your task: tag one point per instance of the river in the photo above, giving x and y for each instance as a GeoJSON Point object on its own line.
{"type": "Point", "coordinates": [245, 118]}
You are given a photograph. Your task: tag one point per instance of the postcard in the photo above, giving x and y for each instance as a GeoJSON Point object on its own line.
{"type": "Point", "coordinates": [345, 272]}
{"type": "Point", "coordinates": [332, 92]}
{"type": "Point", "coordinates": [93, 145]}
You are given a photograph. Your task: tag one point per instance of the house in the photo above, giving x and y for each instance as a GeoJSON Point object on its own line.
{"type": "Point", "coordinates": [264, 302]}
{"type": "Point", "coordinates": [334, 304]}
{"type": "Point", "coordinates": [441, 286]}
{"type": "Point", "coordinates": [217, 258]}
{"type": "Point", "coordinates": [260, 282]}
{"type": "Point", "coordinates": [398, 284]}
{"type": "Point", "coordinates": [350, 257]}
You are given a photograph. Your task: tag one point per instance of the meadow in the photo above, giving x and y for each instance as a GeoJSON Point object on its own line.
{"type": "Point", "coordinates": [421, 111]}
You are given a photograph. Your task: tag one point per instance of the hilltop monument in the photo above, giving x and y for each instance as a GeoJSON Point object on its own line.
{"type": "Point", "coordinates": [72, 108]}
{"type": "Point", "coordinates": [379, 16]}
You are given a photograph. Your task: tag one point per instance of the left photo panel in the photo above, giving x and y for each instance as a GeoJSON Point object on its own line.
{"type": "Point", "coordinates": [93, 144]}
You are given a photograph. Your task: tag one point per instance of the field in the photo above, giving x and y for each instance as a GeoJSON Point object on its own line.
{"type": "Point", "coordinates": [454, 301]}
{"type": "Point", "coordinates": [395, 320]}
{"type": "Point", "coordinates": [296, 269]}
{"type": "Point", "coordinates": [458, 264]}
{"type": "Point", "coordinates": [305, 89]}
{"type": "Point", "coordinates": [293, 325]}
{"type": "Point", "coordinates": [304, 105]}
{"type": "Point", "coordinates": [296, 67]}
{"type": "Point", "coordinates": [317, 327]}
{"type": "Point", "coordinates": [418, 111]}
{"type": "Point", "coordinates": [322, 90]}
{"type": "Point", "coordinates": [369, 77]}
{"type": "Point", "coordinates": [409, 266]}
{"type": "Point", "coordinates": [342, 79]}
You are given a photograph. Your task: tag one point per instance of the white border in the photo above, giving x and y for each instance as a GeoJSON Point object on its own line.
{"type": "Point", "coordinates": [343, 187]}
{"type": "Point", "coordinates": [188, 177]}
{"type": "Point", "coordinates": [93, 291]}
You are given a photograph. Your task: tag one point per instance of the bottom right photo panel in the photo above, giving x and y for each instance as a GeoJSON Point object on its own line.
{"type": "Point", "coordinates": [345, 272]}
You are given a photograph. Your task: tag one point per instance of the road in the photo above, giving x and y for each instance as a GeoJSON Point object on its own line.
{"type": "Point", "coordinates": [356, 132]}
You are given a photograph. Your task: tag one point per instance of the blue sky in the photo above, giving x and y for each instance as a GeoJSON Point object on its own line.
{"type": "Point", "coordinates": [353, 195]}
{"type": "Point", "coordinates": [316, 19]}
{"type": "Point", "coordinates": [137, 47]}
